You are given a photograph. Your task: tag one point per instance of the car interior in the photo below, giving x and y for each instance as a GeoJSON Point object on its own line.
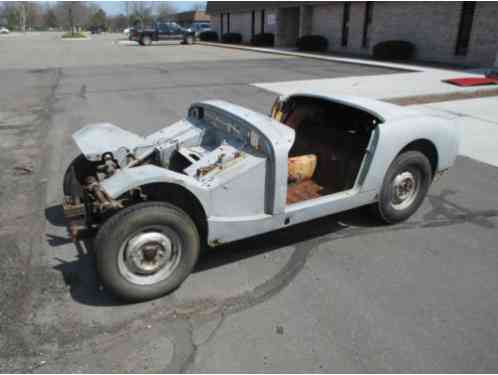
{"type": "Point", "coordinates": [331, 142]}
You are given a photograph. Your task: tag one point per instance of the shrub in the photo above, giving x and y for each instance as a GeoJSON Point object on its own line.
{"type": "Point", "coordinates": [209, 36]}
{"type": "Point", "coordinates": [263, 40]}
{"type": "Point", "coordinates": [76, 34]}
{"type": "Point", "coordinates": [231, 38]}
{"type": "Point", "coordinates": [394, 50]}
{"type": "Point", "coordinates": [312, 43]}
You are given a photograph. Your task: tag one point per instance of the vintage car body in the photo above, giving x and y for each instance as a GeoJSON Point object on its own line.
{"type": "Point", "coordinates": [232, 163]}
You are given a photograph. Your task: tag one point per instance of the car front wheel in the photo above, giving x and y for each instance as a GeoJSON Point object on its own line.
{"type": "Point", "coordinates": [404, 187]}
{"type": "Point", "coordinates": [146, 250]}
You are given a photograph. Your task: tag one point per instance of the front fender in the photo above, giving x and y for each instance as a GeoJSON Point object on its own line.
{"type": "Point", "coordinates": [130, 178]}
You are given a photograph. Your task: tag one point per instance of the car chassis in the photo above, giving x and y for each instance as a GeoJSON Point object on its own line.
{"type": "Point", "coordinates": [226, 173]}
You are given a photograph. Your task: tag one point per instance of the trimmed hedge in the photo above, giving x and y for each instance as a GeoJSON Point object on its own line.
{"type": "Point", "coordinates": [231, 38]}
{"type": "Point", "coordinates": [209, 36]}
{"type": "Point", "coordinates": [312, 43]}
{"type": "Point", "coordinates": [263, 40]}
{"type": "Point", "coordinates": [394, 50]}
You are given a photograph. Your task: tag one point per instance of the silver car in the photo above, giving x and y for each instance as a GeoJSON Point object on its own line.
{"type": "Point", "coordinates": [225, 173]}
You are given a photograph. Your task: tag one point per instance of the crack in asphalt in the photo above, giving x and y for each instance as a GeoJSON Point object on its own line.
{"type": "Point", "coordinates": [18, 338]}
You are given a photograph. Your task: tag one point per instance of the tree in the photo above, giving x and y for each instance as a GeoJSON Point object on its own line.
{"type": "Point", "coordinates": [72, 14]}
{"type": "Point", "coordinates": [199, 5]}
{"type": "Point", "coordinates": [98, 20]}
{"type": "Point", "coordinates": [118, 23]}
{"type": "Point", "coordinates": [165, 11]}
{"type": "Point", "coordinates": [50, 18]}
{"type": "Point", "coordinates": [141, 13]}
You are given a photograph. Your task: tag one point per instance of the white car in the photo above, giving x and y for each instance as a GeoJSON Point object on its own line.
{"type": "Point", "coordinates": [225, 173]}
{"type": "Point", "coordinates": [127, 31]}
{"type": "Point", "coordinates": [4, 30]}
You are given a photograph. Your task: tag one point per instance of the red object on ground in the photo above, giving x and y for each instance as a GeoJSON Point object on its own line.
{"type": "Point", "coordinates": [471, 81]}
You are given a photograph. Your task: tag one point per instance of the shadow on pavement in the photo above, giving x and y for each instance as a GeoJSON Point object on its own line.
{"type": "Point", "coordinates": [85, 287]}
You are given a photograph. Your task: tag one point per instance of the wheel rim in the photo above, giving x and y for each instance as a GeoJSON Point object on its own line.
{"type": "Point", "coordinates": [190, 40]}
{"type": "Point", "coordinates": [405, 188]}
{"type": "Point", "coordinates": [147, 41]}
{"type": "Point", "coordinates": [149, 256]}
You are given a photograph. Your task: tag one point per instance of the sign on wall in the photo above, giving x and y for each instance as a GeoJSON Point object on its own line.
{"type": "Point", "coordinates": [271, 19]}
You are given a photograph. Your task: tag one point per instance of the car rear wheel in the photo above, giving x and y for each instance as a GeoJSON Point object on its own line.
{"type": "Point", "coordinates": [189, 39]}
{"type": "Point", "coordinates": [146, 250]}
{"type": "Point", "coordinates": [404, 188]}
{"type": "Point", "coordinates": [146, 40]}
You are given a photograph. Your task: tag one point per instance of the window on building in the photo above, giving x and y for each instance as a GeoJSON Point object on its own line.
{"type": "Point", "coordinates": [345, 23]}
{"type": "Point", "coordinates": [253, 22]}
{"type": "Point", "coordinates": [365, 41]}
{"type": "Point", "coordinates": [221, 24]}
{"type": "Point", "coordinates": [262, 20]}
{"type": "Point", "coordinates": [228, 22]}
{"type": "Point", "coordinates": [465, 28]}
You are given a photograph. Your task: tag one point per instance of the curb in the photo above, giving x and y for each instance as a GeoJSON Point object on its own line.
{"type": "Point", "coordinates": [345, 60]}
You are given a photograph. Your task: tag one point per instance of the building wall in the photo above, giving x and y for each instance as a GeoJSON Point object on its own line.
{"type": "Point", "coordinates": [483, 45]}
{"type": "Point", "coordinates": [241, 23]}
{"type": "Point", "coordinates": [287, 26]}
{"type": "Point", "coordinates": [431, 26]}
{"type": "Point", "coordinates": [215, 23]}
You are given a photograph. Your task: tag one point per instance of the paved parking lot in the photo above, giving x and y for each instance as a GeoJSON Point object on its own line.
{"type": "Point", "coordinates": [339, 293]}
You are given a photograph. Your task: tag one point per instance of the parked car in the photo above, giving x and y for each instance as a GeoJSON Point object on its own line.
{"type": "Point", "coordinates": [198, 28]}
{"type": "Point", "coordinates": [225, 173]}
{"type": "Point", "coordinates": [4, 30]}
{"type": "Point", "coordinates": [96, 29]}
{"type": "Point", "coordinates": [161, 31]}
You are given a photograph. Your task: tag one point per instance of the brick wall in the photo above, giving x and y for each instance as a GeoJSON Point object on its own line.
{"type": "Point", "coordinates": [288, 27]}
{"type": "Point", "coordinates": [215, 23]}
{"type": "Point", "coordinates": [241, 23]}
{"type": "Point", "coordinates": [431, 26]}
{"type": "Point", "coordinates": [483, 45]}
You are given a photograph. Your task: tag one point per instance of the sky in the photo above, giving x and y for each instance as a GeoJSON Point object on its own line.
{"type": "Point", "coordinates": [115, 7]}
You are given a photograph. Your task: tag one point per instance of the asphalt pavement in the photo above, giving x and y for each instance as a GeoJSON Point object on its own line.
{"type": "Point", "coordinates": [341, 293]}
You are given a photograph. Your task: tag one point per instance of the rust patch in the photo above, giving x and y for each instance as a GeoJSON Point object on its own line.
{"type": "Point", "coordinates": [303, 191]}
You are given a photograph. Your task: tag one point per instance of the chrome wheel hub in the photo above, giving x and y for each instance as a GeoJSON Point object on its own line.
{"type": "Point", "coordinates": [405, 190]}
{"type": "Point", "coordinates": [149, 257]}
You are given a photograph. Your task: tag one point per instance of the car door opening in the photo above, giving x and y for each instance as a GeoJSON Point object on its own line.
{"type": "Point", "coordinates": [334, 134]}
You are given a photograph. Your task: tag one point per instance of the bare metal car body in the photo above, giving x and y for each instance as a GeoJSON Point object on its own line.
{"type": "Point", "coordinates": [235, 162]}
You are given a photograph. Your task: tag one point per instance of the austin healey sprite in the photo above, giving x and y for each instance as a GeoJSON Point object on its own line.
{"type": "Point", "coordinates": [225, 173]}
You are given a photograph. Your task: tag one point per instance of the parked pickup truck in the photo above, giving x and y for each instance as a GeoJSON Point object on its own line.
{"type": "Point", "coordinates": [161, 31]}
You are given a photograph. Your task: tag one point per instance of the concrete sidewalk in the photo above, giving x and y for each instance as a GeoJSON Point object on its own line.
{"type": "Point", "coordinates": [380, 86]}
{"type": "Point", "coordinates": [318, 56]}
{"type": "Point", "coordinates": [477, 120]}
{"type": "Point", "coordinates": [413, 80]}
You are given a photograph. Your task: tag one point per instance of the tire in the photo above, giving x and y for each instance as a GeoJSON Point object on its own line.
{"type": "Point", "coordinates": [404, 187]}
{"type": "Point", "coordinates": [136, 230]}
{"type": "Point", "coordinates": [146, 40]}
{"type": "Point", "coordinates": [77, 171]}
{"type": "Point", "coordinates": [189, 40]}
